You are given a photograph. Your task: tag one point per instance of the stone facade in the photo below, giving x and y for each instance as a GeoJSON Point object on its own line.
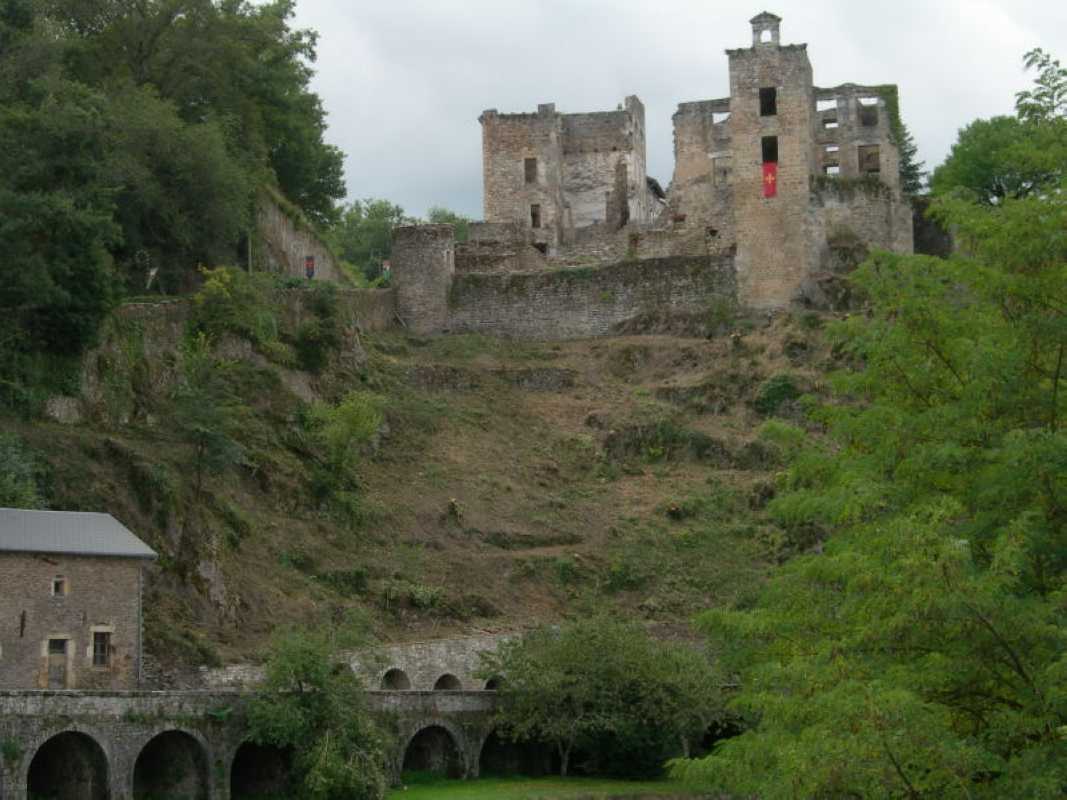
{"type": "Point", "coordinates": [122, 745]}
{"type": "Point", "coordinates": [286, 241]}
{"type": "Point", "coordinates": [62, 601]}
{"type": "Point", "coordinates": [823, 141]}
{"type": "Point", "coordinates": [555, 173]}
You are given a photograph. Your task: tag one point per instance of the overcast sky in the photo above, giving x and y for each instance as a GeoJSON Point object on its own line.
{"type": "Point", "coordinates": [405, 80]}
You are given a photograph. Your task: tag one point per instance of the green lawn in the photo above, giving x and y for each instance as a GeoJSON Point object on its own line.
{"type": "Point", "coordinates": [539, 789]}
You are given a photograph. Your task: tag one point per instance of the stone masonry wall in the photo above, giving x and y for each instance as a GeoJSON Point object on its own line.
{"type": "Point", "coordinates": [581, 302]}
{"type": "Point", "coordinates": [102, 594]}
{"type": "Point", "coordinates": [285, 244]}
{"type": "Point", "coordinates": [878, 216]}
{"type": "Point", "coordinates": [424, 264]}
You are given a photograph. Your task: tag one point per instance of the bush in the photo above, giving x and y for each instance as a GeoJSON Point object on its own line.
{"type": "Point", "coordinates": [18, 475]}
{"type": "Point", "coordinates": [775, 390]}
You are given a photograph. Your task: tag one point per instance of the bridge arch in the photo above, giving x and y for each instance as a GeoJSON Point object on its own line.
{"type": "Point", "coordinates": [494, 683]}
{"type": "Point", "coordinates": [172, 762]}
{"type": "Point", "coordinates": [435, 746]}
{"type": "Point", "coordinates": [448, 683]}
{"type": "Point", "coordinates": [499, 756]}
{"type": "Point", "coordinates": [259, 770]}
{"type": "Point", "coordinates": [70, 764]}
{"type": "Point", "coordinates": [396, 680]}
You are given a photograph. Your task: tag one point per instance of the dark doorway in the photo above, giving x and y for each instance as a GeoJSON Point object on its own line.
{"type": "Point", "coordinates": [69, 766]}
{"type": "Point", "coordinates": [433, 751]}
{"type": "Point", "coordinates": [172, 766]}
{"type": "Point", "coordinates": [501, 757]}
{"type": "Point", "coordinates": [768, 102]}
{"type": "Point", "coordinates": [770, 149]}
{"type": "Point", "coordinates": [260, 772]}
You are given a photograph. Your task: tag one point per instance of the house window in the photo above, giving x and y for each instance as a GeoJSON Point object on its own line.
{"type": "Point", "coordinates": [770, 149]}
{"type": "Point", "coordinates": [535, 215]}
{"type": "Point", "coordinates": [59, 586]}
{"type": "Point", "coordinates": [57, 647]}
{"type": "Point", "coordinates": [868, 111]}
{"type": "Point", "coordinates": [530, 167]}
{"type": "Point", "coordinates": [768, 101]}
{"type": "Point", "coordinates": [101, 649]}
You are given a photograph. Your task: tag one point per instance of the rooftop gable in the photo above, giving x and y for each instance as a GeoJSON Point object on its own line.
{"type": "Point", "coordinates": [82, 533]}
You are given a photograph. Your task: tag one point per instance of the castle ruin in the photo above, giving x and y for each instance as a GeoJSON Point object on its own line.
{"type": "Point", "coordinates": [766, 182]}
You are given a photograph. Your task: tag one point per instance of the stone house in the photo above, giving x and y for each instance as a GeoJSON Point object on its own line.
{"type": "Point", "coordinates": [70, 601]}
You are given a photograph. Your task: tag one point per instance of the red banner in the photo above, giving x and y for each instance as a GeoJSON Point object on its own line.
{"type": "Point", "coordinates": [770, 178]}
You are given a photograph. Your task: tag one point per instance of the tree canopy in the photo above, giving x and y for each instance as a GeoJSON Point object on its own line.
{"type": "Point", "coordinates": [603, 686]}
{"type": "Point", "coordinates": [923, 652]}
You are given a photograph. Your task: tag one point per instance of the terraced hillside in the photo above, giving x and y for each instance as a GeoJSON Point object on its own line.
{"type": "Point", "coordinates": [509, 482]}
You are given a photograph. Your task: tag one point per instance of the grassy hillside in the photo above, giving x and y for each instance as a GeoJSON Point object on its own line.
{"type": "Point", "coordinates": [510, 482]}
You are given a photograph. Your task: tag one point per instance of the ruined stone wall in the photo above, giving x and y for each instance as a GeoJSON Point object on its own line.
{"type": "Point", "coordinates": [856, 120]}
{"type": "Point", "coordinates": [581, 302]}
{"type": "Point", "coordinates": [775, 244]}
{"type": "Point", "coordinates": [284, 242]}
{"type": "Point", "coordinates": [701, 190]}
{"type": "Point", "coordinates": [876, 215]}
{"type": "Point", "coordinates": [102, 594]}
{"type": "Point", "coordinates": [508, 140]}
{"type": "Point", "coordinates": [600, 245]}
{"type": "Point", "coordinates": [423, 259]}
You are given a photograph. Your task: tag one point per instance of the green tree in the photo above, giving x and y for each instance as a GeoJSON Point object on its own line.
{"type": "Point", "coordinates": [364, 233]}
{"type": "Point", "coordinates": [1011, 157]}
{"type": "Point", "coordinates": [923, 653]}
{"type": "Point", "coordinates": [438, 215]}
{"type": "Point", "coordinates": [206, 411]}
{"type": "Point", "coordinates": [18, 475]}
{"type": "Point", "coordinates": [312, 703]}
{"type": "Point", "coordinates": [603, 686]}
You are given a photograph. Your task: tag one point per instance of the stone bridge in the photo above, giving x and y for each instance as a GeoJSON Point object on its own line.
{"type": "Point", "coordinates": [193, 744]}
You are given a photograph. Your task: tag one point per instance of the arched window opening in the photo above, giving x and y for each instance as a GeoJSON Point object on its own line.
{"type": "Point", "coordinates": [396, 680]}
{"type": "Point", "coordinates": [260, 771]}
{"type": "Point", "coordinates": [448, 683]}
{"type": "Point", "coordinates": [69, 766]}
{"type": "Point", "coordinates": [432, 752]}
{"type": "Point", "coordinates": [494, 683]}
{"type": "Point", "coordinates": [173, 764]}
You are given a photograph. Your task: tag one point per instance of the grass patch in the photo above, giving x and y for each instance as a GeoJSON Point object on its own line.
{"type": "Point", "coordinates": [539, 789]}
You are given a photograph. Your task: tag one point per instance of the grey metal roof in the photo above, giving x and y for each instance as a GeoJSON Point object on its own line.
{"type": "Point", "coordinates": [83, 533]}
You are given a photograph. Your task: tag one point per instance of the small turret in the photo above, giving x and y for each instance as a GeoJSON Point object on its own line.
{"type": "Point", "coordinates": [766, 30]}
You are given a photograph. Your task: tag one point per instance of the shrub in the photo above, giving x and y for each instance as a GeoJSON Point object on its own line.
{"type": "Point", "coordinates": [775, 390]}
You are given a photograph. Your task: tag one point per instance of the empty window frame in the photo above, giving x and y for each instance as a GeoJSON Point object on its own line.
{"type": "Point", "coordinates": [768, 101]}
{"type": "Point", "coordinates": [101, 649]}
{"type": "Point", "coordinates": [770, 149]}
{"type": "Point", "coordinates": [57, 647]}
{"type": "Point", "coordinates": [832, 149]}
{"type": "Point", "coordinates": [831, 169]}
{"type": "Point", "coordinates": [530, 170]}
{"type": "Point", "coordinates": [867, 110]}
{"type": "Point", "coordinates": [829, 123]}
{"type": "Point", "coordinates": [766, 35]}
{"type": "Point", "coordinates": [826, 105]}
{"type": "Point", "coordinates": [719, 117]}
{"type": "Point", "coordinates": [721, 167]}
{"type": "Point", "coordinates": [869, 158]}
{"type": "Point", "coordinates": [535, 215]}
{"type": "Point", "coordinates": [59, 586]}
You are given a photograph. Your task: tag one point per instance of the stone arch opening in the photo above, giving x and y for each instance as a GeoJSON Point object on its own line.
{"type": "Point", "coordinates": [433, 751]}
{"type": "Point", "coordinates": [396, 680]}
{"type": "Point", "coordinates": [260, 771]}
{"type": "Point", "coordinates": [172, 764]}
{"type": "Point", "coordinates": [447, 683]}
{"type": "Point", "coordinates": [69, 766]}
{"type": "Point", "coordinates": [494, 683]}
{"type": "Point", "coordinates": [502, 757]}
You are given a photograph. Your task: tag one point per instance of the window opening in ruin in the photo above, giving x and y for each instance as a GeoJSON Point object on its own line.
{"type": "Point", "coordinates": [869, 159]}
{"type": "Point", "coordinates": [59, 586]}
{"type": "Point", "coordinates": [768, 101]}
{"type": "Point", "coordinates": [535, 216]}
{"type": "Point", "coordinates": [530, 166]}
{"type": "Point", "coordinates": [868, 116]}
{"type": "Point", "coordinates": [718, 117]}
{"type": "Point", "coordinates": [832, 169]}
{"type": "Point", "coordinates": [765, 35]}
{"type": "Point", "coordinates": [770, 149]}
{"type": "Point", "coordinates": [542, 247]}
{"type": "Point", "coordinates": [832, 148]}
{"type": "Point", "coordinates": [826, 105]}
{"type": "Point", "coordinates": [101, 649]}
{"type": "Point", "coordinates": [22, 624]}
{"type": "Point", "coordinates": [830, 124]}
{"type": "Point", "coordinates": [57, 647]}
{"type": "Point", "coordinates": [868, 101]}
